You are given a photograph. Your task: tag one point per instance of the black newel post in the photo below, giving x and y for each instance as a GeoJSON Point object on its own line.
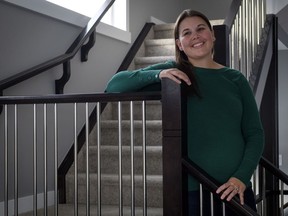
{"type": "Point", "coordinates": [174, 146]}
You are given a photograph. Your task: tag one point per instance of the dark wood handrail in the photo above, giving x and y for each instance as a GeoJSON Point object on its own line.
{"type": "Point", "coordinates": [234, 8]}
{"type": "Point", "coordinates": [274, 170]}
{"type": "Point", "coordinates": [212, 186]}
{"type": "Point", "coordinates": [69, 54]}
{"type": "Point", "coordinates": [135, 47]}
{"type": "Point", "coordinates": [80, 98]}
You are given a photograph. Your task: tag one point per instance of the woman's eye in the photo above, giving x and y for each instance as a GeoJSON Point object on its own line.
{"type": "Point", "coordinates": [186, 33]}
{"type": "Point", "coordinates": [201, 29]}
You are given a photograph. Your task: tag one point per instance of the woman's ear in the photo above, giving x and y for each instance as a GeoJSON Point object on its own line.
{"type": "Point", "coordinates": [213, 36]}
{"type": "Point", "coordinates": [178, 43]}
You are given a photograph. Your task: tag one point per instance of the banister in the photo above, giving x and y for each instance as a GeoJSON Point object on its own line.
{"type": "Point", "coordinates": [234, 8]}
{"type": "Point", "coordinates": [69, 54]}
{"type": "Point", "coordinates": [274, 170]}
{"type": "Point", "coordinates": [69, 158]}
{"type": "Point", "coordinates": [212, 186]}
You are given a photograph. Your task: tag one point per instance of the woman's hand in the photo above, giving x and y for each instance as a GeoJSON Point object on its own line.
{"type": "Point", "coordinates": [175, 75]}
{"type": "Point", "coordinates": [231, 188]}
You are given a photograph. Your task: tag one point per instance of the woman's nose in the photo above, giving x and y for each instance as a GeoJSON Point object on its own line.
{"type": "Point", "coordinates": [194, 35]}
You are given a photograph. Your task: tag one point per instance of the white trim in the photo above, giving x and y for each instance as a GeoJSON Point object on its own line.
{"type": "Point", "coordinates": [68, 16]}
{"type": "Point", "coordinates": [25, 204]}
{"type": "Point", "coordinates": [156, 21]}
{"type": "Point", "coordinates": [113, 32]}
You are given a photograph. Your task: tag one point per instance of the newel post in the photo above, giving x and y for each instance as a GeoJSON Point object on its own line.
{"type": "Point", "coordinates": [174, 145]}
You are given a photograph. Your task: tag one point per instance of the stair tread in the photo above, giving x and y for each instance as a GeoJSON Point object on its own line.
{"type": "Point", "coordinates": [153, 59]}
{"type": "Point", "coordinates": [149, 149]}
{"type": "Point", "coordinates": [106, 210]}
{"type": "Point", "coordinates": [160, 42]}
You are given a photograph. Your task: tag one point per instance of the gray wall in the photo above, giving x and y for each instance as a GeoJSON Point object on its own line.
{"type": "Point", "coordinates": [283, 108]}
{"type": "Point", "coordinates": [213, 9]}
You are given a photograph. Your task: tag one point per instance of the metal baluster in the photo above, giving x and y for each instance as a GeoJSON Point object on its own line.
{"type": "Point", "coordinates": [45, 159]}
{"type": "Point", "coordinates": [252, 29]}
{"type": "Point", "coordinates": [240, 39]}
{"type": "Point", "coordinates": [264, 192]}
{"type": "Point", "coordinates": [233, 42]}
{"type": "Point", "coordinates": [264, 9]}
{"type": "Point", "coordinates": [201, 200]}
{"type": "Point", "coordinates": [75, 162]}
{"type": "Point", "coordinates": [212, 204]}
{"type": "Point", "coordinates": [248, 56]}
{"type": "Point", "coordinates": [282, 197]}
{"type": "Point", "coordinates": [120, 157]}
{"type": "Point", "coordinates": [144, 159]}
{"type": "Point", "coordinates": [6, 211]}
{"type": "Point", "coordinates": [237, 43]}
{"type": "Point", "coordinates": [55, 160]}
{"type": "Point", "coordinates": [223, 209]}
{"type": "Point", "coordinates": [99, 160]}
{"type": "Point", "coordinates": [258, 15]}
{"type": "Point", "coordinates": [132, 160]}
{"type": "Point", "coordinates": [87, 161]}
{"type": "Point", "coordinates": [34, 160]}
{"type": "Point", "coordinates": [15, 160]}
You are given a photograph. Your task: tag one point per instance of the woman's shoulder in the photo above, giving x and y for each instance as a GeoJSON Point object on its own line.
{"type": "Point", "coordinates": [233, 74]}
{"type": "Point", "coordinates": [163, 65]}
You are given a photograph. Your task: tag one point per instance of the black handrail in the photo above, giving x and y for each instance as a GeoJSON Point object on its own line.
{"type": "Point", "coordinates": [212, 186]}
{"type": "Point", "coordinates": [68, 55]}
{"type": "Point", "coordinates": [274, 170]}
{"type": "Point", "coordinates": [234, 8]}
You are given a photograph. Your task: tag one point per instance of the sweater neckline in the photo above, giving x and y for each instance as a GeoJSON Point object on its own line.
{"type": "Point", "coordinates": [210, 70]}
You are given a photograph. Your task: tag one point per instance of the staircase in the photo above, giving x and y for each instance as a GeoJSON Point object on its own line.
{"type": "Point", "coordinates": [157, 48]}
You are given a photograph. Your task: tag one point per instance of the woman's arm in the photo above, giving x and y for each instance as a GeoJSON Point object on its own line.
{"type": "Point", "coordinates": [129, 81]}
{"type": "Point", "coordinates": [252, 131]}
{"type": "Point", "coordinates": [146, 79]}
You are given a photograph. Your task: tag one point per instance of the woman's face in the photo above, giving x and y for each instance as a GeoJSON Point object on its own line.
{"type": "Point", "coordinates": [196, 39]}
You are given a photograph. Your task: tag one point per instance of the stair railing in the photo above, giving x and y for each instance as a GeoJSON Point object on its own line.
{"type": "Point", "coordinates": [262, 193]}
{"type": "Point", "coordinates": [245, 23]}
{"type": "Point", "coordinates": [43, 114]}
{"type": "Point", "coordinates": [69, 158]}
{"type": "Point", "coordinates": [87, 32]}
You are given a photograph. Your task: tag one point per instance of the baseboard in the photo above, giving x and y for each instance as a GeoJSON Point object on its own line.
{"type": "Point", "coordinates": [25, 204]}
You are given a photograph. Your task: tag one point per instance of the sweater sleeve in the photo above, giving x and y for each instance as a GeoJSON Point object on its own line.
{"type": "Point", "coordinates": [131, 81]}
{"type": "Point", "coordinates": [252, 132]}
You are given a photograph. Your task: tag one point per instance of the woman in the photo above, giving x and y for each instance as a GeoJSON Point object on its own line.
{"type": "Point", "coordinates": [225, 135]}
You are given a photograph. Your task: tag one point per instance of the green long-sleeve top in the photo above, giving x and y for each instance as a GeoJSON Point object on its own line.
{"type": "Point", "coordinates": [225, 134]}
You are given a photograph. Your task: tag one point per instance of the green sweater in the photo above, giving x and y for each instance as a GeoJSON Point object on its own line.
{"type": "Point", "coordinates": [225, 134]}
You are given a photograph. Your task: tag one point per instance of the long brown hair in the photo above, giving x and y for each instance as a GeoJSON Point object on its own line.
{"type": "Point", "coordinates": [182, 61]}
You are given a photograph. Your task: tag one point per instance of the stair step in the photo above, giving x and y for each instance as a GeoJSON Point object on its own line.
{"type": "Point", "coordinates": [110, 160]}
{"type": "Point", "coordinates": [153, 110]}
{"type": "Point", "coordinates": [110, 131]}
{"type": "Point", "coordinates": [106, 210]}
{"type": "Point", "coordinates": [160, 47]}
{"type": "Point", "coordinates": [110, 189]}
{"type": "Point", "coordinates": [141, 62]}
{"type": "Point", "coordinates": [164, 31]}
